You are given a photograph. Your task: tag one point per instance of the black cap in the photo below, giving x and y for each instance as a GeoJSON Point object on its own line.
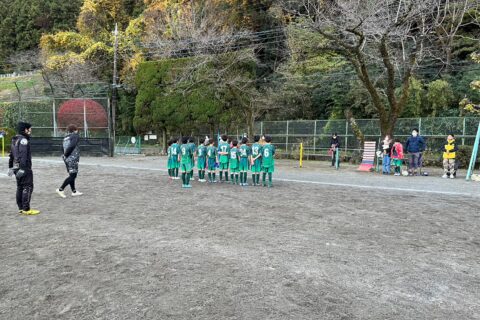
{"type": "Point", "coordinates": [22, 126]}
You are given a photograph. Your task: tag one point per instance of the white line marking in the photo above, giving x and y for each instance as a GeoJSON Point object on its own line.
{"type": "Point", "coordinates": [336, 184]}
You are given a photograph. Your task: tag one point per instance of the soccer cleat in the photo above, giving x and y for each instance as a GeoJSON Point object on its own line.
{"type": "Point", "coordinates": [188, 186]}
{"type": "Point", "coordinates": [452, 176]}
{"type": "Point", "coordinates": [61, 193]}
{"type": "Point", "coordinates": [445, 176]}
{"type": "Point", "coordinates": [30, 212]}
{"type": "Point", "coordinates": [76, 194]}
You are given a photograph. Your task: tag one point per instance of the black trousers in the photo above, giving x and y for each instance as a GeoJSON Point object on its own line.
{"type": "Point", "coordinates": [69, 181]}
{"type": "Point", "coordinates": [24, 190]}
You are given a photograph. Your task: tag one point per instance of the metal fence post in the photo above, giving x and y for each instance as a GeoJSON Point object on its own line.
{"type": "Point", "coordinates": [463, 131]}
{"type": "Point", "coordinates": [314, 136]}
{"type": "Point", "coordinates": [419, 125]}
{"type": "Point", "coordinates": [54, 119]}
{"type": "Point", "coordinates": [286, 139]}
{"type": "Point", "coordinates": [85, 118]}
{"type": "Point", "coordinates": [261, 128]}
{"type": "Point", "coordinates": [346, 136]}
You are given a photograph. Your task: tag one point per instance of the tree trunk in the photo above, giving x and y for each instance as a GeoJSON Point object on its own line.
{"type": "Point", "coordinates": [164, 140]}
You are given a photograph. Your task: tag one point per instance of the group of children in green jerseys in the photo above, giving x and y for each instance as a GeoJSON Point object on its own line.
{"type": "Point", "coordinates": [231, 158]}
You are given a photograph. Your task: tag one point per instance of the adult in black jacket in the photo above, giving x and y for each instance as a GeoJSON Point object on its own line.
{"type": "Point", "coordinates": [20, 165]}
{"type": "Point", "coordinates": [71, 157]}
{"type": "Point", "coordinates": [334, 146]}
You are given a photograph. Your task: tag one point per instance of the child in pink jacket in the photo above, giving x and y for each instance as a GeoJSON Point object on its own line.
{"type": "Point", "coordinates": [397, 157]}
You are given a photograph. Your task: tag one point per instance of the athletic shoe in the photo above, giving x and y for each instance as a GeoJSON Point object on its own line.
{"type": "Point", "coordinates": [188, 186]}
{"type": "Point", "coordinates": [61, 193]}
{"type": "Point", "coordinates": [76, 194]}
{"type": "Point", "coordinates": [30, 212]}
{"type": "Point", "coordinates": [452, 176]}
{"type": "Point", "coordinates": [445, 176]}
{"type": "Point", "coordinates": [214, 181]}
{"type": "Point", "coordinates": [397, 174]}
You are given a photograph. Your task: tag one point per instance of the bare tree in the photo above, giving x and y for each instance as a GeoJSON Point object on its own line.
{"type": "Point", "coordinates": [220, 55]}
{"type": "Point", "coordinates": [448, 18]}
{"type": "Point", "coordinates": [383, 40]}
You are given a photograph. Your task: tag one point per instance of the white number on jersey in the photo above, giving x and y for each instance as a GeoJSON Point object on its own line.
{"type": "Point", "coordinates": [233, 154]}
{"type": "Point", "coordinates": [184, 151]}
{"type": "Point", "coordinates": [255, 151]}
{"type": "Point", "coordinates": [266, 153]}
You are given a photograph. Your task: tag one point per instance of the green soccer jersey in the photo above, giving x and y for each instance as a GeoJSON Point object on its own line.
{"type": "Point", "coordinates": [244, 151]}
{"type": "Point", "coordinates": [223, 147]}
{"type": "Point", "coordinates": [256, 149]}
{"type": "Point", "coordinates": [201, 151]}
{"type": "Point", "coordinates": [268, 151]}
{"type": "Point", "coordinates": [186, 152]}
{"type": "Point", "coordinates": [233, 157]}
{"type": "Point", "coordinates": [169, 152]}
{"type": "Point", "coordinates": [211, 152]}
{"type": "Point", "coordinates": [175, 150]}
{"type": "Point", "coordinates": [192, 147]}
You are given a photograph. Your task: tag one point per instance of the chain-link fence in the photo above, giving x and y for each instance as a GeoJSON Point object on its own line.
{"type": "Point", "coordinates": [315, 134]}
{"type": "Point", "coordinates": [50, 117]}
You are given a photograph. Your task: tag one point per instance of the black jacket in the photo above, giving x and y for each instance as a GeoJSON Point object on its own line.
{"type": "Point", "coordinates": [335, 142]}
{"type": "Point", "coordinates": [20, 156]}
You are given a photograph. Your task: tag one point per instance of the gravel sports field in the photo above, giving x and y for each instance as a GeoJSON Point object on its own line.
{"type": "Point", "coordinates": [320, 244]}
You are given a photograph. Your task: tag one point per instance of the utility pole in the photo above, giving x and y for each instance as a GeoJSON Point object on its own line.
{"type": "Point", "coordinates": [114, 92]}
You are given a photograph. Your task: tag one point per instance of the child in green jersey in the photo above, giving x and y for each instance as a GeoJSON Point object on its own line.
{"type": "Point", "coordinates": [212, 161]}
{"type": "Point", "coordinates": [268, 163]}
{"type": "Point", "coordinates": [201, 160]}
{"type": "Point", "coordinates": [256, 160]}
{"type": "Point", "coordinates": [245, 158]}
{"type": "Point", "coordinates": [175, 150]}
{"type": "Point", "coordinates": [169, 159]}
{"type": "Point", "coordinates": [234, 162]}
{"type": "Point", "coordinates": [223, 155]}
{"type": "Point", "coordinates": [191, 144]}
{"type": "Point", "coordinates": [186, 162]}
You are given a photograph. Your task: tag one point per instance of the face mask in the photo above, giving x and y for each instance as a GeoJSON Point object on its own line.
{"type": "Point", "coordinates": [414, 134]}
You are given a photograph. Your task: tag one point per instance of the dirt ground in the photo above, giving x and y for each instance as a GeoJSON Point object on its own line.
{"type": "Point", "coordinates": [321, 244]}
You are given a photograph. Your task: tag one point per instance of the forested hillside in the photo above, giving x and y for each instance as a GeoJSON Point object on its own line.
{"type": "Point", "coordinates": [219, 62]}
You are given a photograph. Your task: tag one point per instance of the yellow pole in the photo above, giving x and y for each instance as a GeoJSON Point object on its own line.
{"type": "Point", "coordinates": [301, 154]}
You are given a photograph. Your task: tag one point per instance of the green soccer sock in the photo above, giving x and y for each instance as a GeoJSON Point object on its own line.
{"type": "Point", "coordinates": [264, 175]}
{"type": "Point", "coordinates": [187, 179]}
{"type": "Point", "coordinates": [258, 178]}
{"type": "Point", "coordinates": [169, 172]}
{"type": "Point", "coordinates": [226, 175]}
{"type": "Point", "coordinates": [231, 176]}
{"type": "Point", "coordinates": [175, 172]}
{"type": "Point", "coordinates": [221, 175]}
{"type": "Point", "coordinates": [210, 176]}
{"type": "Point", "coordinates": [270, 178]}
{"type": "Point", "coordinates": [184, 178]}
{"type": "Point", "coordinates": [236, 178]}
{"type": "Point", "coordinates": [241, 177]}
{"type": "Point", "coordinates": [213, 175]}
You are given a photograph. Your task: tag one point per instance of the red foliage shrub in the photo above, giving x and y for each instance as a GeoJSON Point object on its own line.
{"type": "Point", "coordinates": [71, 112]}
